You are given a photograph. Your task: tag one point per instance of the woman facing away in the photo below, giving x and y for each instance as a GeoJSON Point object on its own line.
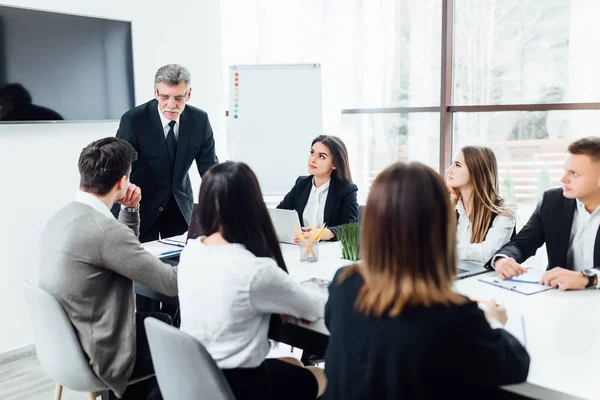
{"type": "Point", "coordinates": [485, 221]}
{"type": "Point", "coordinates": [327, 195]}
{"type": "Point", "coordinates": [232, 279]}
{"type": "Point", "coordinates": [397, 329]}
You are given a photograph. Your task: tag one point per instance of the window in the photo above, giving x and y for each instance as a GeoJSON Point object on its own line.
{"type": "Point", "coordinates": [526, 51]}
{"type": "Point", "coordinates": [413, 80]}
{"type": "Point", "coordinates": [377, 140]}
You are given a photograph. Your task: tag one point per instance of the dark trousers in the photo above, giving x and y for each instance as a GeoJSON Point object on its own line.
{"type": "Point", "coordinates": [148, 388]}
{"type": "Point", "coordinates": [170, 223]}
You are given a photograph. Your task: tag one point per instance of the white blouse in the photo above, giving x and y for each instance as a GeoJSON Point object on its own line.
{"type": "Point", "coordinates": [497, 236]}
{"type": "Point", "coordinates": [227, 296]}
{"type": "Point", "coordinates": [315, 206]}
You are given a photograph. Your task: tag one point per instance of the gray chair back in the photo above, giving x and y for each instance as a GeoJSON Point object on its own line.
{"type": "Point", "coordinates": [56, 344]}
{"type": "Point", "coordinates": [183, 367]}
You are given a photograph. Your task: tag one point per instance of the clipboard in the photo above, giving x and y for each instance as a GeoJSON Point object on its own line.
{"type": "Point", "coordinates": [526, 284]}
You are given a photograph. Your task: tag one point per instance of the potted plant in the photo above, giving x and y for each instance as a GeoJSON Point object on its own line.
{"type": "Point", "coordinates": [349, 238]}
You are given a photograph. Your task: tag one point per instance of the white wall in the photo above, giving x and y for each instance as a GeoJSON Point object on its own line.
{"type": "Point", "coordinates": [38, 163]}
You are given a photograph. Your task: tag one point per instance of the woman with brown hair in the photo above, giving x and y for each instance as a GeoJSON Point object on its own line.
{"type": "Point", "coordinates": [485, 221]}
{"type": "Point", "coordinates": [398, 331]}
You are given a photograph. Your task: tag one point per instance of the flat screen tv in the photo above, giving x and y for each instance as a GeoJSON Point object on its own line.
{"type": "Point", "coordinates": [59, 67]}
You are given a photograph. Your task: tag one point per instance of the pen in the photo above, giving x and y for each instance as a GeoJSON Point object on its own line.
{"type": "Point", "coordinates": [523, 326]}
{"type": "Point", "coordinates": [522, 281]}
{"type": "Point", "coordinates": [164, 253]}
{"type": "Point", "coordinates": [171, 244]}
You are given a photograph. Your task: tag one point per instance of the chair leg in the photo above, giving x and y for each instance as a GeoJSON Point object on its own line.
{"type": "Point", "coordinates": [58, 392]}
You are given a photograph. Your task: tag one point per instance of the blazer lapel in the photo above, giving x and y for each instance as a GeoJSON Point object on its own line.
{"type": "Point", "coordinates": [302, 199]}
{"type": "Point", "coordinates": [157, 133]}
{"type": "Point", "coordinates": [330, 202]}
{"type": "Point", "coordinates": [182, 142]}
{"type": "Point", "coordinates": [564, 231]}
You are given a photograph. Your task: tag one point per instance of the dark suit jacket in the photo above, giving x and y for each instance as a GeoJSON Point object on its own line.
{"type": "Point", "coordinates": [551, 224]}
{"type": "Point", "coordinates": [341, 206]}
{"type": "Point", "coordinates": [141, 126]}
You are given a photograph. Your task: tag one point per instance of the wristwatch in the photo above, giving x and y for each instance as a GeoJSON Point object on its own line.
{"type": "Point", "coordinates": [588, 273]}
{"type": "Point", "coordinates": [130, 209]}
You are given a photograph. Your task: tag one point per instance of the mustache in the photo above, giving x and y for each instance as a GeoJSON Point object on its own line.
{"type": "Point", "coordinates": [173, 110]}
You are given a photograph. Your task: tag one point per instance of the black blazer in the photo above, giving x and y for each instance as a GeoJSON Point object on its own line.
{"type": "Point", "coordinates": [550, 223]}
{"type": "Point", "coordinates": [341, 206]}
{"type": "Point", "coordinates": [142, 127]}
{"type": "Point", "coordinates": [437, 352]}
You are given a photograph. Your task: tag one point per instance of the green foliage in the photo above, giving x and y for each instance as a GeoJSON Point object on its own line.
{"type": "Point", "coordinates": [349, 237]}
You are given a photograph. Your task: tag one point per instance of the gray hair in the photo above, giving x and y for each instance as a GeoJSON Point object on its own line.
{"type": "Point", "coordinates": [173, 74]}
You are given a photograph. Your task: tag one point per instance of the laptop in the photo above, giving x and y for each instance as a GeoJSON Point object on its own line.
{"type": "Point", "coordinates": [284, 222]}
{"type": "Point", "coordinates": [468, 268]}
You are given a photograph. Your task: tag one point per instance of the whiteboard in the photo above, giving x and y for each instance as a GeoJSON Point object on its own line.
{"type": "Point", "coordinates": [275, 111]}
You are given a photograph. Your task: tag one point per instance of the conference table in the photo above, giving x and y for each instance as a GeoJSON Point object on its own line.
{"type": "Point", "coordinates": [561, 328]}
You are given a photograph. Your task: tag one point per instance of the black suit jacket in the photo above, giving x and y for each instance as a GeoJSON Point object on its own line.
{"type": "Point", "coordinates": [341, 206]}
{"type": "Point", "coordinates": [550, 223]}
{"type": "Point", "coordinates": [142, 127]}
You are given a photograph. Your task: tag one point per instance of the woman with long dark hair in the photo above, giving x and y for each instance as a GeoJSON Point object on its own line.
{"type": "Point", "coordinates": [327, 195]}
{"type": "Point", "coordinates": [233, 278]}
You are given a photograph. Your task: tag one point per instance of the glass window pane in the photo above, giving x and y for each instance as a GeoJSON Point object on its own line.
{"type": "Point", "coordinates": [375, 141]}
{"type": "Point", "coordinates": [526, 51]}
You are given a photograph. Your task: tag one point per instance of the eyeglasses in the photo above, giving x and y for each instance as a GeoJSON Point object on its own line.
{"type": "Point", "coordinates": [178, 99]}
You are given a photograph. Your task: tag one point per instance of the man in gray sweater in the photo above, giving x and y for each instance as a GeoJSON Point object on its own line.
{"type": "Point", "coordinates": [89, 261]}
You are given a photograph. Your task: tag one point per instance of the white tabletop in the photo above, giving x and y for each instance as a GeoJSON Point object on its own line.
{"type": "Point", "coordinates": [562, 328]}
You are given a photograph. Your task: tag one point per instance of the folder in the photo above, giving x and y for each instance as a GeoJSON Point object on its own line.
{"type": "Point", "coordinates": [526, 284]}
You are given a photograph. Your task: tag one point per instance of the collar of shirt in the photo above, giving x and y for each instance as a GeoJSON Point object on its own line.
{"type": "Point", "coordinates": [90, 200]}
{"type": "Point", "coordinates": [581, 208]}
{"type": "Point", "coordinates": [165, 123]}
{"type": "Point", "coordinates": [460, 208]}
{"type": "Point", "coordinates": [322, 188]}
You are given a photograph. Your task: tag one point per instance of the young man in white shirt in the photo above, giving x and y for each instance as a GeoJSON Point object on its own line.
{"type": "Point", "coordinates": [567, 220]}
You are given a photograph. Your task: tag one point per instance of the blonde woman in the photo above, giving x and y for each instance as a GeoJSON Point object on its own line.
{"type": "Point", "coordinates": [485, 222]}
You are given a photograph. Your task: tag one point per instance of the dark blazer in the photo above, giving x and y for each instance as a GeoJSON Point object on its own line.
{"type": "Point", "coordinates": [142, 127]}
{"type": "Point", "coordinates": [437, 352]}
{"type": "Point", "coordinates": [550, 223]}
{"type": "Point", "coordinates": [341, 206]}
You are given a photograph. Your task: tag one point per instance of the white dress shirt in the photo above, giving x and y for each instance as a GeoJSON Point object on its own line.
{"type": "Point", "coordinates": [497, 236]}
{"type": "Point", "coordinates": [227, 296]}
{"type": "Point", "coordinates": [315, 206]}
{"type": "Point", "coordinates": [94, 202]}
{"type": "Point", "coordinates": [165, 124]}
{"type": "Point", "coordinates": [583, 238]}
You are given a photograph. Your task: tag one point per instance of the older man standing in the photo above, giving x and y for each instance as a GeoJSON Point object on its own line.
{"type": "Point", "coordinates": [168, 135]}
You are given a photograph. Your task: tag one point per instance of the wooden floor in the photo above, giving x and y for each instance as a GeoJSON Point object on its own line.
{"type": "Point", "coordinates": [24, 380]}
